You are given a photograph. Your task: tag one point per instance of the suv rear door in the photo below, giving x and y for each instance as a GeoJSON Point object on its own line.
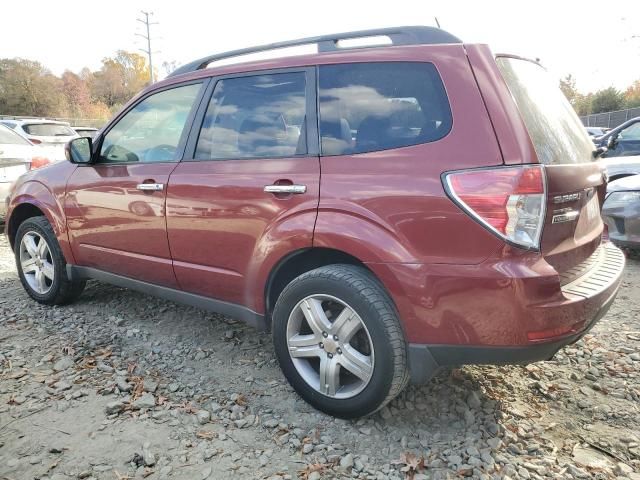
{"type": "Point", "coordinates": [115, 207]}
{"type": "Point", "coordinates": [248, 185]}
{"type": "Point", "coordinates": [575, 181]}
{"type": "Point", "coordinates": [535, 123]}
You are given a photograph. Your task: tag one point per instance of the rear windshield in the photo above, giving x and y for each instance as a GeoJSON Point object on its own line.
{"type": "Point", "coordinates": [555, 130]}
{"type": "Point", "coordinates": [48, 130]}
{"type": "Point", "coordinates": [9, 137]}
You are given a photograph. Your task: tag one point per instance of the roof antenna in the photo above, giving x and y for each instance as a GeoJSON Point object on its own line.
{"type": "Point", "coordinates": [437, 22]}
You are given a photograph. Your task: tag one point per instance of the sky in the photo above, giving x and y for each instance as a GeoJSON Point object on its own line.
{"type": "Point", "coordinates": [592, 40]}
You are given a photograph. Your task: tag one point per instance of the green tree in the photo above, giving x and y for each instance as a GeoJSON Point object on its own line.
{"type": "Point", "coordinates": [607, 100]}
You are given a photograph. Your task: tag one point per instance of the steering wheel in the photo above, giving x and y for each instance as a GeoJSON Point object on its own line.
{"type": "Point", "coordinates": [160, 153]}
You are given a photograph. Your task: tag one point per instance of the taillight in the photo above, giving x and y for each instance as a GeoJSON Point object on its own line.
{"type": "Point", "coordinates": [37, 162]}
{"type": "Point", "coordinates": [34, 141]}
{"type": "Point", "coordinates": [509, 201]}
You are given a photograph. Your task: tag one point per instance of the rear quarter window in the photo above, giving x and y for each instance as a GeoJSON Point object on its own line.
{"type": "Point", "coordinates": [366, 107]}
{"type": "Point", "coordinates": [48, 130]}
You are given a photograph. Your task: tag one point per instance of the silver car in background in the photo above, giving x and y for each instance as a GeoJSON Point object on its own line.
{"type": "Point", "coordinates": [17, 156]}
{"type": "Point", "coordinates": [621, 211]}
{"type": "Point", "coordinates": [46, 133]}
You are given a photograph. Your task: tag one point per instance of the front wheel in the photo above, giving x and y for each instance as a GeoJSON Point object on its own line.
{"type": "Point", "coordinates": [41, 264]}
{"type": "Point", "coordinates": [338, 340]}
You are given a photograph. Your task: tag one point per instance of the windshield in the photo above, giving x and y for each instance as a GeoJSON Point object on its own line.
{"type": "Point", "coordinates": [555, 130]}
{"type": "Point", "coordinates": [48, 130]}
{"type": "Point", "coordinates": [9, 137]}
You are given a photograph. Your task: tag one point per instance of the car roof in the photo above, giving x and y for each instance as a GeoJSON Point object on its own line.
{"type": "Point", "coordinates": [34, 121]}
{"type": "Point", "coordinates": [84, 128]}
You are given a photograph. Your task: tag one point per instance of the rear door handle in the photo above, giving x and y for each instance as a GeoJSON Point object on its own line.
{"type": "Point", "coordinates": [285, 188]}
{"type": "Point", "coordinates": [150, 187]}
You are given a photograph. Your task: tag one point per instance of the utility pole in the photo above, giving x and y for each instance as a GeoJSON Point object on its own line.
{"type": "Point", "coordinates": [147, 37]}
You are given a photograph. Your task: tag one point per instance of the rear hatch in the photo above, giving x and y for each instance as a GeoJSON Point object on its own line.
{"type": "Point", "coordinates": [53, 135]}
{"type": "Point", "coordinates": [575, 182]}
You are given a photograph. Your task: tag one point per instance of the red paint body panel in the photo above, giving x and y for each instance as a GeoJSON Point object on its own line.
{"type": "Point", "coordinates": [224, 229]}
{"type": "Point", "coordinates": [115, 227]}
{"type": "Point", "coordinates": [494, 303]}
{"type": "Point", "coordinates": [45, 189]}
{"type": "Point", "coordinates": [215, 232]}
{"type": "Point", "coordinates": [390, 205]}
{"type": "Point", "coordinates": [515, 143]}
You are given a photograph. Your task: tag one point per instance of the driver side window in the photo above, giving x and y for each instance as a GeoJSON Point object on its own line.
{"type": "Point", "coordinates": [150, 131]}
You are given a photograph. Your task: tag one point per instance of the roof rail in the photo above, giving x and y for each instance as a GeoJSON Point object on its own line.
{"type": "Point", "coordinates": [415, 35]}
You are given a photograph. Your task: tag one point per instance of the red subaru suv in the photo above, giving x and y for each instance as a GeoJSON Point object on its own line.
{"type": "Point", "coordinates": [385, 210]}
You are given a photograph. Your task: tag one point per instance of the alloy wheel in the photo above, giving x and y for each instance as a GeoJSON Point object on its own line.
{"type": "Point", "coordinates": [330, 346]}
{"type": "Point", "coordinates": [36, 262]}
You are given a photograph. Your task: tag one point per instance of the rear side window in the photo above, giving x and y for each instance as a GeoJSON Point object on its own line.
{"type": "Point", "coordinates": [48, 130]}
{"type": "Point", "coordinates": [366, 107]}
{"type": "Point", "coordinates": [258, 116]}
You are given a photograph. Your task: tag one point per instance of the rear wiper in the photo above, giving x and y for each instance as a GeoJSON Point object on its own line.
{"type": "Point", "coordinates": [598, 152]}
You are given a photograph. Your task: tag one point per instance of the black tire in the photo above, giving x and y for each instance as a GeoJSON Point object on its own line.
{"type": "Point", "coordinates": [357, 287]}
{"type": "Point", "coordinates": [62, 290]}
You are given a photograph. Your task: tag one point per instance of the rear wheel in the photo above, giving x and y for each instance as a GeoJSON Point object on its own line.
{"type": "Point", "coordinates": [41, 264]}
{"type": "Point", "coordinates": [338, 340]}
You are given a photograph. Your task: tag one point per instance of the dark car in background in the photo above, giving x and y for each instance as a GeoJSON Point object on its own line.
{"type": "Point", "coordinates": [621, 211]}
{"type": "Point", "coordinates": [595, 132]}
{"type": "Point", "coordinates": [622, 141]}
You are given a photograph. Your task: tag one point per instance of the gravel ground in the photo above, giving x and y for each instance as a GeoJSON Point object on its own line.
{"type": "Point", "coordinates": [121, 385]}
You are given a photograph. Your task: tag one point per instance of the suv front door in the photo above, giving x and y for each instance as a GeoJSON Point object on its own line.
{"type": "Point", "coordinates": [115, 207]}
{"type": "Point", "coordinates": [248, 186]}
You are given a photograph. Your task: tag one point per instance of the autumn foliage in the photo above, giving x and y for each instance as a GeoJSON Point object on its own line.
{"type": "Point", "coordinates": [28, 88]}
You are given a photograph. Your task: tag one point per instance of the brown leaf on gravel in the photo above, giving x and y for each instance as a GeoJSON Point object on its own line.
{"type": "Point", "coordinates": [147, 471]}
{"type": "Point", "coordinates": [188, 407]}
{"type": "Point", "coordinates": [87, 362]}
{"type": "Point", "coordinates": [122, 477]}
{"type": "Point", "coordinates": [314, 467]}
{"type": "Point", "coordinates": [412, 464]}
{"type": "Point", "coordinates": [161, 400]}
{"type": "Point", "coordinates": [138, 387]}
{"type": "Point", "coordinates": [242, 400]}
{"type": "Point", "coordinates": [206, 434]}
{"type": "Point", "coordinates": [68, 350]}
{"type": "Point", "coordinates": [131, 368]}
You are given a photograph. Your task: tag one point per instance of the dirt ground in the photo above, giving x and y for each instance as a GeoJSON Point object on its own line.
{"type": "Point", "coordinates": [121, 385]}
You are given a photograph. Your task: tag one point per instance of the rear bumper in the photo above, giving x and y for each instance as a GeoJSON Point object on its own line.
{"type": "Point", "coordinates": [514, 308]}
{"type": "Point", "coordinates": [624, 224]}
{"type": "Point", "coordinates": [426, 360]}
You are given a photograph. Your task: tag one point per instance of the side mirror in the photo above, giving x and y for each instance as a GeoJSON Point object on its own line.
{"type": "Point", "coordinates": [612, 142]}
{"type": "Point", "coordinates": [79, 150]}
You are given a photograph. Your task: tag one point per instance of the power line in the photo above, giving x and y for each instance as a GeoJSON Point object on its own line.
{"type": "Point", "coordinates": [147, 37]}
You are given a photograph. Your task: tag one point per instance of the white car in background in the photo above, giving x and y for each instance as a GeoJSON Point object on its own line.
{"type": "Point", "coordinates": [17, 156]}
{"type": "Point", "coordinates": [46, 133]}
{"type": "Point", "coordinates": [86, 131]}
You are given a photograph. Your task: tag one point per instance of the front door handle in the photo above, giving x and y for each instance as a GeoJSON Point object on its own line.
{"type": "Point", "coordinates": [150, 187]}
{"type": "Point", "coordinates": [285, 188]}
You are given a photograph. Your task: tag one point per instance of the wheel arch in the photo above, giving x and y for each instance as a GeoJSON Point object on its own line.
{"type": "Point", "coordinates": [19, 214]}
{"type": "Point", "coordinates": [301, 261]}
